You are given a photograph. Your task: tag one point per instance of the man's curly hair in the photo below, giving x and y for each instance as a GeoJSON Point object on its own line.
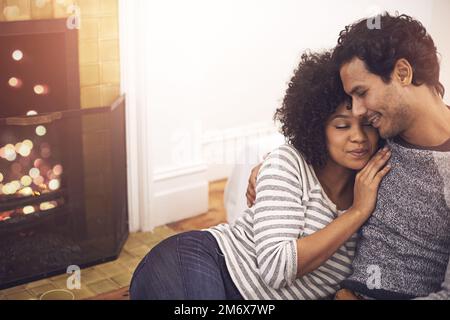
{"type": "Point", "coordinates": [397, 37]}
{"type": "Point", "coordinates": [313, 95]}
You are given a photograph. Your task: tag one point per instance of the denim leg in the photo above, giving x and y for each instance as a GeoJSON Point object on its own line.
{"type": "Point", "coordinates": [158, 275]}
{"type": "Point", "coordinates": [200, 269]}
{"type": "Point", "coordinates": [187, 266]}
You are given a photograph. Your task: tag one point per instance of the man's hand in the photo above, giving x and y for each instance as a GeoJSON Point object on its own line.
{"type": "Point", "coordinates": [251, 189]}
{"type": "Point", "coordinates": [345, 294]}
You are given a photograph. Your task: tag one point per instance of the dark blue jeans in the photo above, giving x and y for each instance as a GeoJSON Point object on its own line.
{"type": "Point", "coordinates": [188, 266]}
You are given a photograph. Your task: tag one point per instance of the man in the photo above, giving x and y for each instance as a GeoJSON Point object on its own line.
{"type": "Point", "coordinates": [392, 75]}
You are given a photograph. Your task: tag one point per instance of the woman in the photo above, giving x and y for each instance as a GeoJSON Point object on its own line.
{"type": "Point", "coordinates": [313, 194]}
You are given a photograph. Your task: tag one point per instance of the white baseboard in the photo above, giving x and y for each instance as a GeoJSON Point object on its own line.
{"type": "Point", "coordinates": [180, 193]}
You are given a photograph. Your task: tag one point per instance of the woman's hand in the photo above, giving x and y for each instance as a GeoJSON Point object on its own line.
{"type": "Point", "coordinates": [251, 188]}
{"type": "Point", "coordinates": [368, 181]}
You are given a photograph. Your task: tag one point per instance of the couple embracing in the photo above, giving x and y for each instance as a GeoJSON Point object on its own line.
{"type": "Point", "coordinates": [356, 205]}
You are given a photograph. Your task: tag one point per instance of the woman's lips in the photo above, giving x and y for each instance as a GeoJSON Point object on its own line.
{"type": "Point", "coordinates": [359, 153]}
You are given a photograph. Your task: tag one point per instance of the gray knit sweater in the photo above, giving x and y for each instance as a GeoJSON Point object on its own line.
{"type": "Point", "coordinates": [404, 248]}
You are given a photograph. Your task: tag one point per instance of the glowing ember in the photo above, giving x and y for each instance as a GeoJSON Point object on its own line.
{"type": "Point", "coordinates": [39, 181]}
{"type": "Point", "coordinates": [34, 173]}
{"type": "Point", "coordinates": [6, 189]}
{"type": "Point", "coordinates": [47, 205]}
{"type": "Point", "coordinates": [17, 55]}
{"type": "Point", "coordinates": [57, 170]}
{"type": "Point", "coordinates": [24, 150]}
{"type": "Point", "coordinates": [41, 131]}
{"type": "Point", "coordinates": [28, 210]}
{"type": "Point", "coordinates": [16, 185]}
{"type": "Point", "coordinates": [14, 82]}
{"type": "Point", "coordinates": [28, 143]}
{"type": "Point", "coordinates": [40, 89]}
{"type": "Point", "coordinates": [38, 163]}
{"type": "Point", "coordinates": [26, 181]}
{"type": "Point", "coordinates": [54, 184]}
{"type": "Point", "coordinates": [26, 191]}
{"type": "Point", "coordinates": [10, 152]}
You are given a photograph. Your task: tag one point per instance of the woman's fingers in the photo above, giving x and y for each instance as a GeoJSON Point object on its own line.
{"type": "Point", "coordinates": [378, 164]}
{"type": "Point", "coordinates": [381, 174]}
{"type": "Point", "coordinates": [251, 197]}
{"type": "Point", "coordinates": [375, 164]}
{"type": "Point", "coordinates": [251, 188]}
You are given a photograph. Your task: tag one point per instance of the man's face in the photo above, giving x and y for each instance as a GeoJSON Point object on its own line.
{"type": "Point", "coordinates": [381, 103]}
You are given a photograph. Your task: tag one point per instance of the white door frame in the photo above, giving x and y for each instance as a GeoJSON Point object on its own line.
{"type": "Point", "coordinates": [133, 85]}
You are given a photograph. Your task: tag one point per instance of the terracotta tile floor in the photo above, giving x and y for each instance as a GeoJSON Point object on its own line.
{"type": "Point", "coordinates": [110, 281]}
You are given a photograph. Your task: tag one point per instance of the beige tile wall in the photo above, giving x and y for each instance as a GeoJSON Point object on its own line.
{"type": "Point", "coordinates": [98, 41]}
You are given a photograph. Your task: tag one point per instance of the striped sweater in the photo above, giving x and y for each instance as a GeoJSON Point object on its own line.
{"type": "Point", "coordinates": [261, 247]}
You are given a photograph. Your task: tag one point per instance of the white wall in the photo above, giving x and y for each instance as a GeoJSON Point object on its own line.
{"type": "Point", "coordinates": [439, 29]}
{"type": "Point", "coordinates": [217, 70]}
{"type": "Point", "coordinates": [215, 65]}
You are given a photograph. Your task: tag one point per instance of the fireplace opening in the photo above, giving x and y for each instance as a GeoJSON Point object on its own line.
{"type": "Point", "coordinates": [63, 183]}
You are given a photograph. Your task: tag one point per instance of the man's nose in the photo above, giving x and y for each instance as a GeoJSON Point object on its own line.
{"type": "Point", "coordinates": [358, 108]}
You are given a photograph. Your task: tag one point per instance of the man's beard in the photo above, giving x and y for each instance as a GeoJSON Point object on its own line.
{"type": "Point", "coordinates": [397, 122]}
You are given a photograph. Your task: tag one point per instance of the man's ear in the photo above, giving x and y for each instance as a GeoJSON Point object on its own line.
{"type": "Point", "coordinates": [403, 72]}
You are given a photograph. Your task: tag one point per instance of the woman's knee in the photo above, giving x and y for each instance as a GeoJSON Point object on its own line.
{"type": "Point", "coordinates": [158, 274]}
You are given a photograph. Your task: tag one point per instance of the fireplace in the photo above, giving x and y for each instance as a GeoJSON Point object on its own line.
{"type": "Point", "coordinates": [63, 184]}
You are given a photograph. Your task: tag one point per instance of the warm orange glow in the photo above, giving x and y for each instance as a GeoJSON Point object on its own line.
{"type": "Point", "coordinates": [17, 55]}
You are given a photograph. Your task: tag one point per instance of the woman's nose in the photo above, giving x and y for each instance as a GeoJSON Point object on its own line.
{"type": "Point", "coordinates": [357, 134]}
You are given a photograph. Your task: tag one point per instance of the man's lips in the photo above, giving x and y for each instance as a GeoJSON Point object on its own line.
{"type": "Point", "coordinates": [375, 120]}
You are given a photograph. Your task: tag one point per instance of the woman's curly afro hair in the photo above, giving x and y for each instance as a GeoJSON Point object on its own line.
{"type": "Point", "coordinates": [314, 93]}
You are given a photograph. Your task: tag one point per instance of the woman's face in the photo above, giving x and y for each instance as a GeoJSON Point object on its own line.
{"type": "Point", "coordinates": [351, 141]}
